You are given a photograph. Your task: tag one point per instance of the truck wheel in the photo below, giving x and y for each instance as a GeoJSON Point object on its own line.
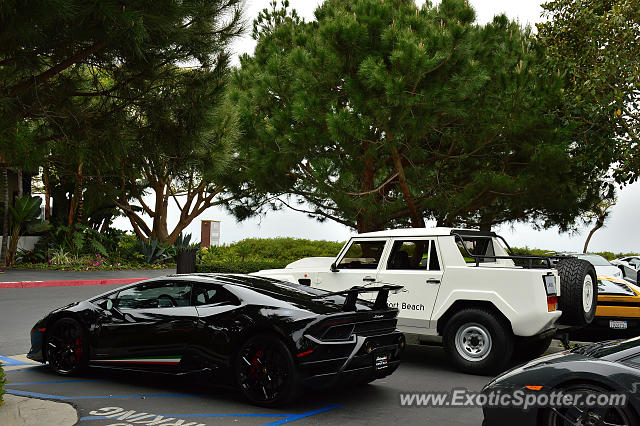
{"type": "Point", "coordinates": [527, 349]}
{"type": "Point", "coordinates": [579, 291]}
{"type": "Point", "coordinates": [478, 341]}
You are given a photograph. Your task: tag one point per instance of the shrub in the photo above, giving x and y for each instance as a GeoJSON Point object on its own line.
{"type": "Point", "coordinates": [539, 252]}
{"type": "Point", "coordinates": [245, 267]}
{"type": "Point", "coordinates": [2, 382]}
{"type": "Point", "coordinates": [282, 249]}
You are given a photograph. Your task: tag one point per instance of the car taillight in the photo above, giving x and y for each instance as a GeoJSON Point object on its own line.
{"type": "Point", "coordinates": [552, 303]}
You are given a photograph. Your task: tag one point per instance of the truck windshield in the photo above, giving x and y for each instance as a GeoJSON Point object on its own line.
{"type": "Point", "coordinates": [362, 255]}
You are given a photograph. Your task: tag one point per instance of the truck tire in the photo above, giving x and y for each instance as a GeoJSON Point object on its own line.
{"type": "Point", "coordinates": [478, 341]}
{"type": "Point", "coordinates": [579, 291]}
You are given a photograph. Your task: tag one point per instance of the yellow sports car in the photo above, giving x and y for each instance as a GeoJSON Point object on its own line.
{"type": "Point", "coordinates": [618, 308]}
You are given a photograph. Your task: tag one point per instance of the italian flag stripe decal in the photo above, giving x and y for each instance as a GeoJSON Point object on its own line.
{"type": "Point", "coordinates": [158, 360]}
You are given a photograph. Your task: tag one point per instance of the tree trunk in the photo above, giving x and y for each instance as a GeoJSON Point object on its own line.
{"type": "Point", "coordinates": [13, 245]}
{"type": "Point", "coordinates": [417, 221]}
{"type": "Point", "coordinates": [5, 216]}
{"type": "Point", "coordinates": [75, 210]}
{"type": "Point", "coordinates": [599, 224]}
{"type": "Point", "coordinates": [19, 182]}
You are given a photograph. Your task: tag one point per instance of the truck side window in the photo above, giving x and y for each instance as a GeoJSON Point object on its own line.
{"type": "Point", "coordinates": [481, 246]}
{"type": "Point", "coordinates": [362, 255]}
{"type": "Point", "coordinates": [414, 255]}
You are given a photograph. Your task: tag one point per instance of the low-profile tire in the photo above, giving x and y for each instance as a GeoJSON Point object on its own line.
{"type": "Point", "coordinates": [478, 341]}
{"type": "Point", "coordinates": [266, 372]}
{"type": "Point", "coordinates": [587, 415]}
{"type": "Point", "coordinates": [579, 291]}
{"type": "Point", "coordinates": [527, 348]}
{"type": "Point", "coordinates": [66, 346]}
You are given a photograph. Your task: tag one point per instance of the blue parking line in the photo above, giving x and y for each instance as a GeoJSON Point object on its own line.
{"type": "Point", "coordinates": [61, 397]}
{"type": "Point", "coordinates": [52, 382]}
{"type": "Point", "coordinates": [296, 417]}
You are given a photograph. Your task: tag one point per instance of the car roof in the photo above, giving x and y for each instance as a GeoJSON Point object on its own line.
{"type": "Point", "coordinates": [421, 232]}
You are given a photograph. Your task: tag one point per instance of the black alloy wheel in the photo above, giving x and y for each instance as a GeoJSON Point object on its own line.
{"type": "Point", "coordinates": [588, 416]}
{"type": "Point", "coordinates": [266, 372]}
{"type": "Point", "coordinates": [66, 347]}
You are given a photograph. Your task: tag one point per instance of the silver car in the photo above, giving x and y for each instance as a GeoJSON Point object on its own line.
{"type": "Point", "coordinates": [629, 267]}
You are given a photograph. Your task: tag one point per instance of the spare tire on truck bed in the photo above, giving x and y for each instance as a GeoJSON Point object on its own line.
{"type": "Point", "coordinates": [578, 291]}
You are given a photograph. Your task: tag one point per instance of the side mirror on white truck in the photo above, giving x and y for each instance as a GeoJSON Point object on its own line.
{"type": "Point", "coordinates": [467, 286]}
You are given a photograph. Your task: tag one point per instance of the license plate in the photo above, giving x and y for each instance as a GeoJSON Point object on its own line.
{"type": "Point", "coordinates": [381, 361]}
{"type": "Point", "coordinates": [620, 325]}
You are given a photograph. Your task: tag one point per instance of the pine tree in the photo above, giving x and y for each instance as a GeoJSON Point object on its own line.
{"type": "Point", "coordinates": [381, 114]}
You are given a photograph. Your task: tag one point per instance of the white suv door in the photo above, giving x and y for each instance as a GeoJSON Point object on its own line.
{"type": "Point", "coordinates": [356, 265]}
{"type": "Point", "coordinates": [415, 264]}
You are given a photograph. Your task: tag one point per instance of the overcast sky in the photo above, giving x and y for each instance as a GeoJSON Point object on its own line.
{"type": "Point", "coordinates": [621, 233]}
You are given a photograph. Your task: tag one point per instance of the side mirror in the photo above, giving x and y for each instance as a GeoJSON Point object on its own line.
{"type": "Point", "coordinates": [334, 268]}
{"type": "Point", "coordinates": [109, 304]}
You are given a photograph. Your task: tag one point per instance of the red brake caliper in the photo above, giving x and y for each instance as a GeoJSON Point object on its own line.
{"type": "Point", "coordinates": [255, 363]}
{"type": "Point", "coordinates": [78, 349]}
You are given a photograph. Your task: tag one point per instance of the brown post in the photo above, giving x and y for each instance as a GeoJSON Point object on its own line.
{"type": "Point", "coordinates": [205, 233]}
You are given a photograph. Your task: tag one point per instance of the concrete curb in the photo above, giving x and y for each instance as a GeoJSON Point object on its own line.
{"type": "Point", "coordinates": [31, 284]}
{"type": "Point", "coordinates": [21, 411]}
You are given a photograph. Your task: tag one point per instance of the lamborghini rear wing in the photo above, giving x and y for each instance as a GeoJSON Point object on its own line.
{"type": "Point", "coordinates": [351, 295]}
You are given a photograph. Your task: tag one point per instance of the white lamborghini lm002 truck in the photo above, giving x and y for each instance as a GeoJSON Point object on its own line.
{"type": "Point", "coordinates": [467, 286]}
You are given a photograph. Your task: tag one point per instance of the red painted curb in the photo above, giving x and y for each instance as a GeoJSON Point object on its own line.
{"type": "Point", "coordinates": [30, 284]}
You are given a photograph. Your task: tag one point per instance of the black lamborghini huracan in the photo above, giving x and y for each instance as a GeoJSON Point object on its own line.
{"type": "Point", "coordinates": [269, 337]}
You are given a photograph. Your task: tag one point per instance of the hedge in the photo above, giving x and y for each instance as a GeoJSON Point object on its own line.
{"type": "Point", "coordinates": [270, 249]}
{"type": "Point", "coordinates": [239, 267]}
{"type": "Point", "coordinates": [2, 382]}
{"type": "Point", "coordinates": [540, 252]}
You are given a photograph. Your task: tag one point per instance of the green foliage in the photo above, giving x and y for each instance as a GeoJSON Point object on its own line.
{"type": "Point", "coordinates": [594, 45]}
{"type": "Point", "coordinates": [93, 92]}
{"type": "Point", "coordinates": [23, 217]}
{"type": "Point", "coordinates": [2, 383]}
{"type": "Point", "coordinates": [184, 242]}
{"type": "Point", "coordinates": [153, 252]}
{"type": "Point", "coordinates": [540, 252]}
{"type": "Point", "coordinates": [381, 114]}
{"type": "Point", "coordinates": [245, 267]}
{"type": "Point", "coordinates": [272, 249]}
{"type": "Point", "coordinates": [254, 254]}
{"type": "Point", "coordinates": [79, 239]}
{"type": "Point", "coordinates": [128, 247]}
{"type": "Point", "coordinates": [30, 256]}
{"type": "Point", "coordinates": [60, 257]}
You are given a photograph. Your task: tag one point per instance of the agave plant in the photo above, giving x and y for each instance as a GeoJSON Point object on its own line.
{"type": "Point", "coordinates": [184, 242]}
{"type": "Point", "coordinates": [153, 252]}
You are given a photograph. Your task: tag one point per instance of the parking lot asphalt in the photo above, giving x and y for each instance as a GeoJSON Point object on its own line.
{"type": "Point", "coordinates": [200, 399]}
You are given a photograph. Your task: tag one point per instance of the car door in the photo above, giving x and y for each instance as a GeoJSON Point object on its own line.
{"type": "Point", "coordinates": [356, 265]}
{"type": "Point", "coordinates": [217, 322]}
{"type": "Point", "coordinates": [147, 325]}
{"type": "Point", "coordinates": [415, 264]}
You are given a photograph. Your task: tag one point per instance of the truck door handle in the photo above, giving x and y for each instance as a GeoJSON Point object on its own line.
{"type": "Point", "coordinates": [369, 279]}
{"type": "Point", "coordinates": [433, 281]}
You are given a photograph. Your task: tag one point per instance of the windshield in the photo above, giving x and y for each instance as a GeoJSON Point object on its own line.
{"type": "Point", "coordinates": [595, 260]}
